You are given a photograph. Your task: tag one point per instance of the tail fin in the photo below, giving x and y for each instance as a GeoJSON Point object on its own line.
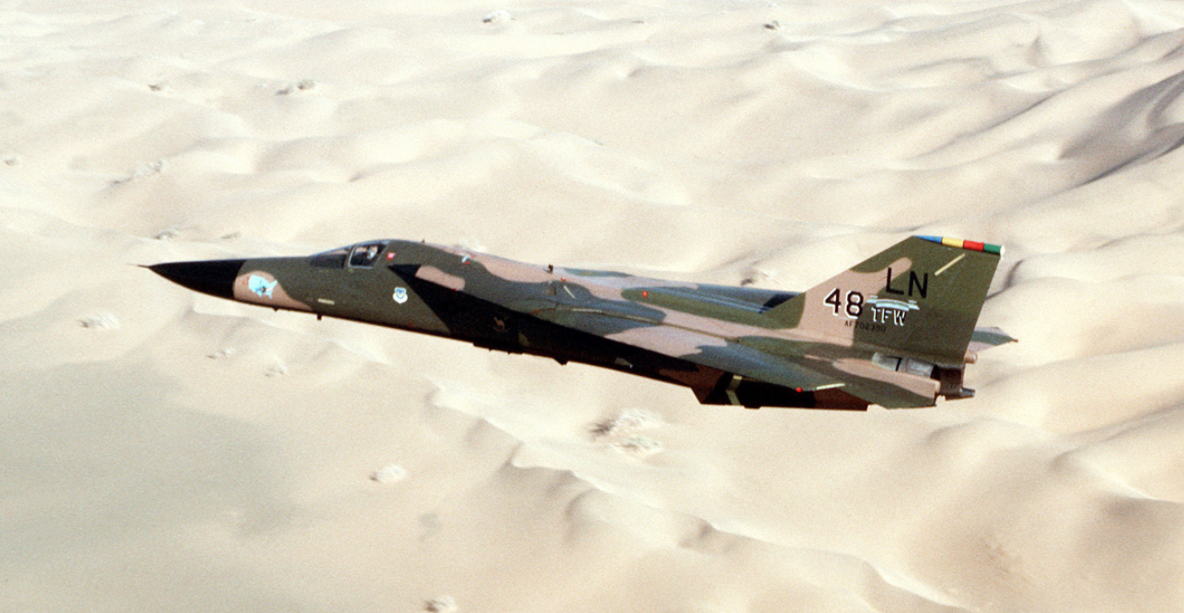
{"type": "Point", "coordinates": [918, 299]}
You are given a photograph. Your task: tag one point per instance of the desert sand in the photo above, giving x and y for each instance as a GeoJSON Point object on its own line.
{"type": "Point", "coordinates": [168, 451]}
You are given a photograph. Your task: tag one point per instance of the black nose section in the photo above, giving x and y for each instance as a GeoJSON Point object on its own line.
{"type": "Point", "coordinates": [213, 277]}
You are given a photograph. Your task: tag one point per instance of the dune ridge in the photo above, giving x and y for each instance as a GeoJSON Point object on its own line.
{"type": "Point", "coordinates": [165, 450]}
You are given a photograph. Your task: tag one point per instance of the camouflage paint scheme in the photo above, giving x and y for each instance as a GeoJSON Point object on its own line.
{"type": "Point", "coordinates": [896, 330]}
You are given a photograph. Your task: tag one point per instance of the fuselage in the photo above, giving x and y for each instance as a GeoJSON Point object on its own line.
{"type": "Point", "coordinates": [509, 306]}
{"type": "Point", "coordinates": [893, 330]}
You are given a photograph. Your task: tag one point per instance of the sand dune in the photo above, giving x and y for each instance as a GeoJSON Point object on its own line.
{"type": "Point", "coordinates": [165, 450]}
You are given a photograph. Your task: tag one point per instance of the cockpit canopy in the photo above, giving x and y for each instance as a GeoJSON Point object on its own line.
{"type": "Point", "coordinates": [361, 255]}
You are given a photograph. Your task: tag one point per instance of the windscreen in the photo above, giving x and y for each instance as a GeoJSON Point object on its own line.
{"type": "Point", "coordinates": [334, 258]}
{"type": "Point", "coordinates": [365, 254]}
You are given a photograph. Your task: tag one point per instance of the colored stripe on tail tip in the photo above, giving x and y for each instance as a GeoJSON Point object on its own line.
{"type": "Point", "coordinates": [961, 244]}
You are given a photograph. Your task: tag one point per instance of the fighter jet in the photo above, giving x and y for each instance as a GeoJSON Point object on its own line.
{"type": "Point", "coordinates": [896, 330]}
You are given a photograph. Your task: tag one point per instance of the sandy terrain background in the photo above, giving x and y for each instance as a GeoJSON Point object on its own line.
{"type": "Point", "coordinates": [166, 451]}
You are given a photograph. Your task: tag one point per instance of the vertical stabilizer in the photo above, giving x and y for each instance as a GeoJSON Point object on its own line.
{"type": "Point", "coordinates": [918, 299]}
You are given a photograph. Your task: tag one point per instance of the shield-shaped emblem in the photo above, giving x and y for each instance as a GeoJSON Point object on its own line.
{"type": "Point", "coordinates": [400, 295]}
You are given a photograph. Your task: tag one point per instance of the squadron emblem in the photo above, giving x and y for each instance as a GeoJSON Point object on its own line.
{"type": "Point", "coordinates": [260, 286]}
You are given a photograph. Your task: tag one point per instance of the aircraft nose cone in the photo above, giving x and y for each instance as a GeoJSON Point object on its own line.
{"type": "Point", "coordinates": [213, 277]}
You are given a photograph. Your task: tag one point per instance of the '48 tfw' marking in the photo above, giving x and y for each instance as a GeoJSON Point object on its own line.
{"type": "Point", "coordinates": [883, 310]}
